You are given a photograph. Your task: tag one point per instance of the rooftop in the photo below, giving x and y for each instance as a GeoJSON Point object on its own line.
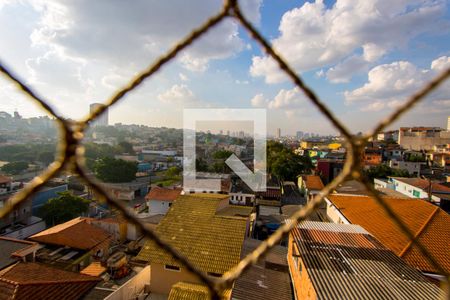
{"type": "Point", "coordinates": [163, 194]}
{"type": "Point", "coordinates": [38, 281]}
{"type": "Point", "coordinates": [267, 279]}
{"type": "Point", "coordinates": [345, 262]}
{"type": "Point", "coordinates": [76, 233]}
{"type": "Point", "coordinates": [427, 222]}
{"type": "Point", "coordinates": [4, 179]}
{"type": "Point", "coordinates": [191, 226]}
{"type": "Point", "coordinates": [191, 291]}
{"type": "Point", "coordinates": [313, 182]}
{"type": "Point", "coordinates": [424, 184]}
{"type": "Point", "coordinates": [9, 247]}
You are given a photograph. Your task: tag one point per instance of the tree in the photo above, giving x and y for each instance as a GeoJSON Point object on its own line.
{"type": "Point", "coordinates": [63, 208]}
{"type": "Point", "coordinates": [46, 157]}
{"type": "Point", "coordinates": [173, 171]}
{"type": "Point", "coordinates": [201, 165]}
{"type": "Point", "coordinates": [15, 167]}
{"type": "Point", "coordinates": [284, 163]}
{"type": "Point", "coordinates": [109, 169]}
{"type": "Point", "coordinates": [125, 147]}
{"type": "Point", "coordinates": [384, 171]}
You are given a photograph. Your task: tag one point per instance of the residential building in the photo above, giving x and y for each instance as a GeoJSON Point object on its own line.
{"type": "Point", "coordinates": [329, 168]}
{"type": "Point", "coordinates": [412, 167]}
{"type": "Point", "coordinates": [160, 199]}
{"type": "Point", "coordinates": [422, 138]}
{"type": "Point", "coordinates": [72, 245]}
{"type": "Point", "coordinates": [335, 261]}
{"type": "Point", "coordinates": [241, 194]}
{"type": "Point", "coordinates": [14, 250]}
{"type": "Point", "coordinates": [372, 157]}
{"type": "Point", "coordinates": [38, 281]}
{"type": "Point", "coordinates": [420, 188]}
{"type": "Point", "coordinates": [212, 242]}
{"type": "Point", "coordinates": [311, 185]}
{"type": "Point", "coordinates": [427, 222]}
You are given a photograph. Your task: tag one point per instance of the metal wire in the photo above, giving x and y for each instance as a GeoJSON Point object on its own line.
{"type": "Point", "coordinates": [71, 152]}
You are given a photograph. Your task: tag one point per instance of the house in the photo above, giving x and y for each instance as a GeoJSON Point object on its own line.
{"type": "Point", "coordinates": [5, 184]}
{"type": "Point", "coordinates": [38, 281]}
{"type": "Point", "coordinates": [14, 250]}
{"type": "Point", "coordinates": [426, 221]}
{"type": "Point", "coordinates": [20, 222]}
{"type": "Point", "coordinates": [210, 241]}
{"type": "Point", "coordinates": [335, 261]}
{"type": "Point", "coordinates": [329, 168]}
{"type": "Point", "coordinates": [372, 157]}
{"type": "Point", "coordinates": [267, 279]}
{"type": "Point", "coordinates": [160, 199]}
{"type": "Point", "coordinates": [72, 245]}
{"type": "Point", "coordinates": [419, 188]}
{"type": "Point", "coordinates": [241, 194]}
{"type": "Point", "coordinates": [413, 167]}
{"type": "Point", "coordinates": [311, 185]}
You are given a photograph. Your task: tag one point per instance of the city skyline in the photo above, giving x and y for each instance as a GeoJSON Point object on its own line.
{"type": "Point", "coordinates": [56, 48]}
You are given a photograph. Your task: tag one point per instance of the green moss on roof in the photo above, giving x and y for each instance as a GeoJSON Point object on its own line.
{"type": "Point", "coordinates": [211, 242]}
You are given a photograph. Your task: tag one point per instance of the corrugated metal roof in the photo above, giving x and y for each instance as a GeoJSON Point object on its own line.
{"type": "Point", "coordinates": [354, 265]}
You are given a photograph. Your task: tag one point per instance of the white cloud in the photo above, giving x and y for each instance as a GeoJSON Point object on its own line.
{"type": "Point", "coordinates": [259, 101]}
{"type": "Point", "coordinates": [314, 36]}
{"type": "Point", "coordinates": [183, 77]}
{"type": "Point", "coordinates": [178, 95]}
{"type": "Point", "coordinates": [285, 99]}
{"type": "Point", "coordinates": [389, 85]}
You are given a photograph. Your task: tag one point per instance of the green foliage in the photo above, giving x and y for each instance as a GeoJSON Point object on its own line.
{"type": "Point", "coordinates": [415, 158]}
{"type": "Point", "coordinates": [383, 171]}
{"type": "Point", "coordinates": [25, 152]}
{"type": "Point", "coordinates": [222, 154]}
{"type": "Point", "coordinates": [284, 163]}
{"type": "Point", "coordinates": [201, 165]}
{"type": "Point", "coordinates": [15, 167]}
{"type": "Point", "coordinates": [109, 169]}
{"type": "Point", "coordinates": [63, 208]}
{"type": "Point", "coordinates": [46, 157]}
{"type": "Point", "coordinates": [173, 171]}
{"type": "Point", "coordinates": [125, 147]}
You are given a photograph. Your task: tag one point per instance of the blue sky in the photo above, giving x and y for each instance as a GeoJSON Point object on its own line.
{"type": "Point", "coordinates": [363, 58]}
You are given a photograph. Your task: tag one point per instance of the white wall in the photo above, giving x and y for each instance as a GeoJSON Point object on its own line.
{"type": "Point", "coordinates": [158, 207]}
{"type": "Point", "coordinates": [239, 198]}
{"type": "Point", "coordinates": [334, 215]}
{"type": "Point", "coordinates": [408, 190]}
{"type": "Point", "coordinates": [133, 287]}
{"type": "Point", "coordinates": [27, 231]}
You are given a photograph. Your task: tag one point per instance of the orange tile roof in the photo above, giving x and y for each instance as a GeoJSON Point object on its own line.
{"type": "Point", "coordinates": [38, 281]}
{"type": "Point", "coordinates": [76, 233]}
{"type": "Point", "coordinates": [428, 222]}
{"type": "Point", "coordinates": [94, 269]}
{"type": "Point", "coordinates": [163, 194]}
{"type": "Point", "coordinates": [313, 182]}
{"type": "Point", "coordinates": [4, 179]}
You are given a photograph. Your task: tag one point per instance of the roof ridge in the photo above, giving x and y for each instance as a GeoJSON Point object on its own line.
{"type": "Point", "coordinates": [421, 230]}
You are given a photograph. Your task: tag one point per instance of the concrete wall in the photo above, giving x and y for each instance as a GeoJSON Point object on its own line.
{"type": "Point", "coordinates": [163, 280]}
{"type": "Point", "coordinates": [413, 168]}
{"type": "Point", "coordinates": [423, 142]}
{"type": "Point", "coordinates": [157, 207]}
{"type": "Point", "coordinates": [409, 190]}
{"type": "Point", "coordinates": [133, 287]}
{"type": "Point", "coordinates": [27, 231]}
{"type": "Point", "coordinates": [241, 199]}
{"type": "Point", "coordinates": [303, 288]}
{"type": "Point", "coordinates": [334, 215]}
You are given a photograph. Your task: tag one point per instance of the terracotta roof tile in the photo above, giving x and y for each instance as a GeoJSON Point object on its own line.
{"type": "Point", "coordinates": [191, 226]}
{"type": "Point", "coordinates": [425, 220]}
{"type": "Point", "coordinates": [313, 182]}
{"type": "Point", "coordinates": [163, 194]}
{"type": "Point", "coordinates": [37, 281]}
{"type": "Point", "coordinates": [4, 179]}
{"type": "Point", "coordinates": [76, 233]}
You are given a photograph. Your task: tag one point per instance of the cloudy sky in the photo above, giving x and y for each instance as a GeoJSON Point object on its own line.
{"type": "Point", "coordinates": [363, 58]}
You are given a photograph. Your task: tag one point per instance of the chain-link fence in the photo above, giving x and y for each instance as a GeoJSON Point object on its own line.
{"type": "Point", "coordinates": [71, 152]}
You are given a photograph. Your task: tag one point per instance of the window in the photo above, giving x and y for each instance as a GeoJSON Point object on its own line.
{"type": "Point", "coordinates": [172, 268]}
{"type": "Point", "coordinates": [170, 204]}
{"type": "Point", "coordinates": [214, 274]}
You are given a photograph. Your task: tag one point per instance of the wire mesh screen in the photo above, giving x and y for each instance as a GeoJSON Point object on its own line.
{"type": "Point", "coordinates": [71, 152]}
